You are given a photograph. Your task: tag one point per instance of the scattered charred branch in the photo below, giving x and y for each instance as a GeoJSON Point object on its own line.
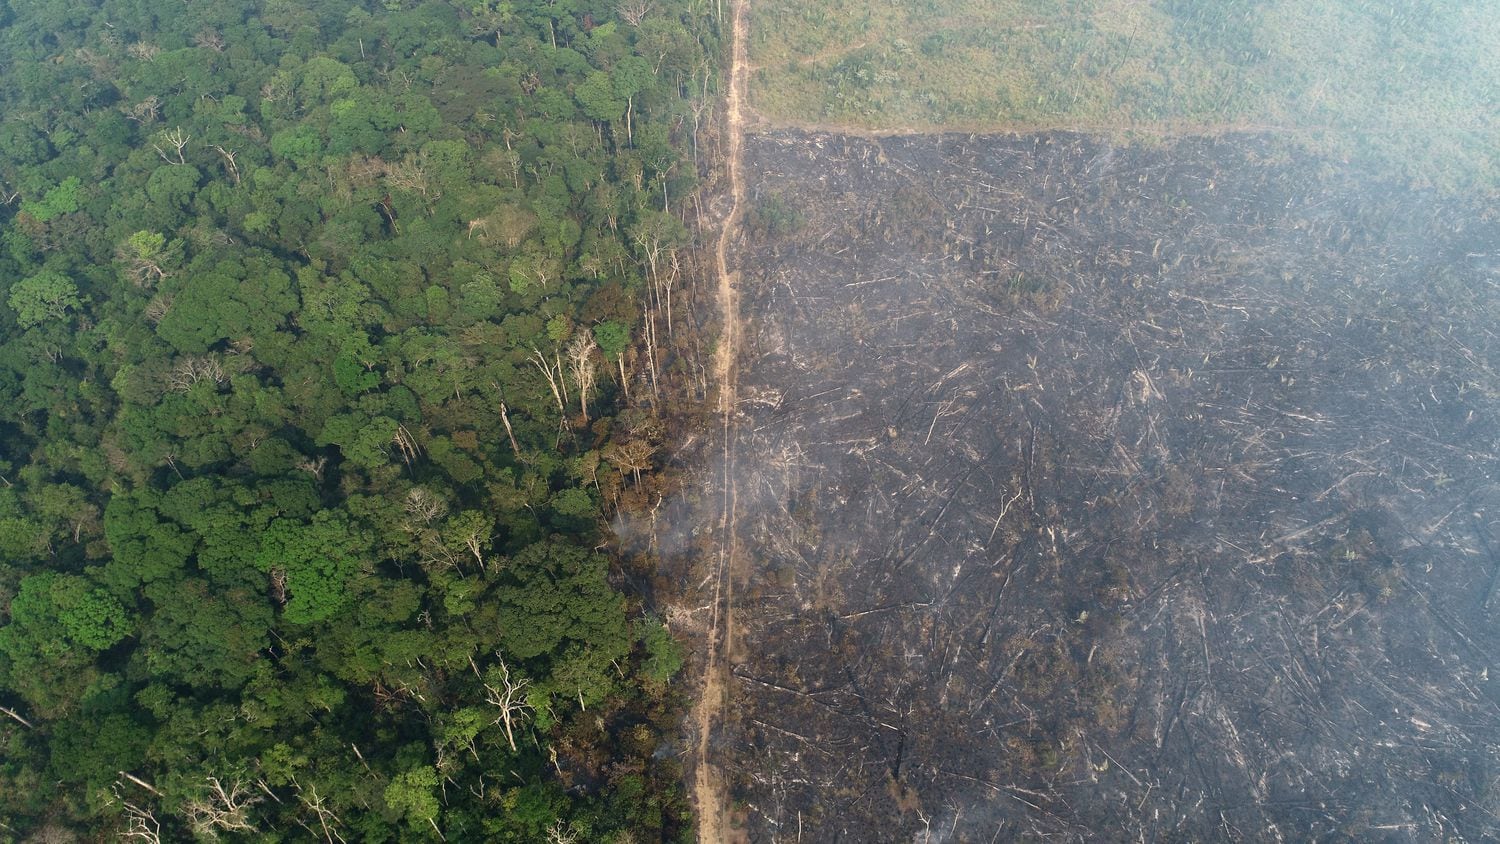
{"type": "Point", "coordinates": [1120, 482]}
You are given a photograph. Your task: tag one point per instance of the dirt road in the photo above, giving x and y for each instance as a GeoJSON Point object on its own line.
{"type": "Point", "coordinates": [708, 782]}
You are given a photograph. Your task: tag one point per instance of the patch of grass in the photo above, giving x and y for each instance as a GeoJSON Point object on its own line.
{"type": "Point", "coordinates": [1411, 85]}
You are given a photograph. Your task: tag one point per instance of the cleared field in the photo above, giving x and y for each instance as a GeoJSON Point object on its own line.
{"type": "Point", "coordinates": [1413, 85]}
{"type": "Point", "coordinates": [1091, 492]}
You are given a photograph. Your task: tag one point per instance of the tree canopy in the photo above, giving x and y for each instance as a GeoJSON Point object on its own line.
{"type": "Point", "coordinates": [328, 349]}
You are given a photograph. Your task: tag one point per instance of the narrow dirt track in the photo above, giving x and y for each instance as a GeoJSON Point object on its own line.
{"type": "Point", "coordinates": [708, 783]}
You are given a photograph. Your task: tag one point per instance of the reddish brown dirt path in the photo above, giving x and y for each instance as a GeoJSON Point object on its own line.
{"type": "Point", "coordinates": [709, 791]}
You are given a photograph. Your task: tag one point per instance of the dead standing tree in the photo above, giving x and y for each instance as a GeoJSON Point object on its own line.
{"type": "Point", "coordinates": [507, 693]}
{"type": "Point", "coordinates": [553, 372]}
{"type": "Point", "coordinates": [656, 236]}
{"type": "Point", "coordinates": [406, 444]}
{"type": "Point", "coordinates": [148, 257]}
{"type": "Point", "coordinates": [140, 821]}
{"type": "Point", "coordinates": [140, 825]}
{"type": "Point", "coordinates": [328, 822]}
{"type": "Point", "coordinates": [560, 833]}
{"type": "Point", "coordinates": [581, 364]}
{"type": "Point", "coordinates": [229, 163]}
{"type": "Point", "coordinates": [471, 535]}
{"type": "Point", "coordinates": [175, 138]}
{"type": "Point", "coordinates": [145, 111]}
{"type": "Point", "coordinates": [224, 809]}
{"type": "Point", "coordinates": [510, 433]}
{"type": "Point", "coordinates": [633, 456]}
{"type": "Point", "coordinates": [425, 505]}
{"type": "Point", "coordinates": [634, 11]}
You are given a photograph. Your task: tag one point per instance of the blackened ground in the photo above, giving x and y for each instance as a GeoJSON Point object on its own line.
{"type": "Point", "coordinates": [1141, 494]}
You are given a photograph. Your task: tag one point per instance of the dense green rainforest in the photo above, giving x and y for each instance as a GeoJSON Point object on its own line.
{"type": "Point", "coordinates": [328, 345]}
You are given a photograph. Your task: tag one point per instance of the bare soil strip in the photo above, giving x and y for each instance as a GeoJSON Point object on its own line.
{"type": "Point", "coordinates": [708, 784]}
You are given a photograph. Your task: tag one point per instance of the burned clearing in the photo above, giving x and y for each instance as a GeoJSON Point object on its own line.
{"type": "Point", "coordinates": [1144, 493]}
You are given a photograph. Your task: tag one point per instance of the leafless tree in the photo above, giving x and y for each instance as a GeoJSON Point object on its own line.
{"type": "Point", "coordinates": [436, 554]}
{"type": "Point", "coordinates": [175, 138]}
{"type": "Point", "coordinates": [406, 444]}
{"type": "Point", "coordinates": [140, 822]}
{"type": "Point", "coordinates": [145, 111]}
{"type": "Point", "coordinates": [140, 825]}
{"type": "Point", "coordinates": [650, 335]}
{"type": "Point", "coordinates": [327, 820]}
{"type": "Point", "coordinates": [365, 171]}
{"type": "Point", "coordinates": [143, 51]}
{"type": "Point", "coordinates": [140, 782]}
{"type": "Point", "coordinates": [145, 268]}
{"type": "Point", "coordinates": [673, 259]}
{"type": "Point", "coordinates": [411, 175]}
{"type": "Point", "coordinates": [652, 238]}
{"type": "Point", "coordinates": [533, 267]}
{"type": "Point", "coordinates": [17, 716]}
{"type": "Point", "coordinates": [209, 39]}
{"type": "Point", "coordinates": [222, 809]}
{"type": "Point", "coordinates": [191, 371]}
{"type": "Point", "coordinates": [560, 833]}
{"type": "Point", "coordinates": [554, 377]}
{"type": "Point", "coordinates": [633, 455]}
{"type": "Point", "coordinates": [279, 89]}
{"type": "Point", "coordinates": [510, 433]}
{"type": "Point", "coordinates": [423, 504]}
{"type": "Point", "coordinates": [314, 467]}
{"type": "Point", "coordinates": [278, 586]}
{"type": "Point", "coordinates": [581, 363]}
{"type": "Point", "coordinates": [471, 534]}
{"type": "Point", "coordinates": [228, 156]}
{"type": "Point", "coordinates": [507, 693]}
{"type": "Point", "coordinates": [634, 11]}
{"type": "Point", "coordinates": [99, 64]}
{"type": "Point", "coordinates": [701, 106]}
{"type": "Point", "coordinates": [157, 308]}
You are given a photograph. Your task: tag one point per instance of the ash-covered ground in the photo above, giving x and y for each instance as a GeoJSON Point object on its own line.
{"type": "Point", "coordinates": [1112, 493]}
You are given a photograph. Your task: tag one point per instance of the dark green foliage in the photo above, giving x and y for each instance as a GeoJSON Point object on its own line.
{"type": "Point", "coordinates": [267, 272]}
{"type": "Point", "coordinates": [317, 558]}
{"type": "Point", "coordinates": [773, 217]}
{"type": "Point", "coordinates": [556, 597]}
{"type": "Point", "coordinates": [230, 300]}
{"type": "Point", "coordinates": [612, 337]}
{"type": "Point", "coordinates": [663, 654]}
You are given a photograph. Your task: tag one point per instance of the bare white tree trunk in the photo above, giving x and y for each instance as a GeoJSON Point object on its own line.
{"type": "Point", "coordinates": [507, 694]}
{"type": "Point", "coordinates": [175, 138]}
{"type": "Point", "coordinates": [510, 433]}
{"type": "Point", "coordinates": [228, 155]}
{"type": "Point", "coordinates": [581, 363]}
{"type": "Point", "coordinates": [553, 377]}
{"type": "Point", "coordinates": [19, 720]}
{"type": "Point", "coordinates": [651, 351]}
{"type": "Point", "coordinates": [327, 820]}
